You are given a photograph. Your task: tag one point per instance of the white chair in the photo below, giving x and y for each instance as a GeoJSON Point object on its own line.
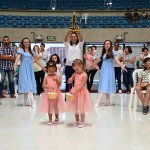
{"type": "Point", "coordinates": [84, 17]}
{"type": "Point", "coordinates": [133, 94]}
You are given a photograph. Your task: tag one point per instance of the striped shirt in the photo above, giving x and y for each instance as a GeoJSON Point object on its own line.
{"type": "Point", "coordinates": [7, 64]}
{"type": "Point", "coordinates": [144, 76]}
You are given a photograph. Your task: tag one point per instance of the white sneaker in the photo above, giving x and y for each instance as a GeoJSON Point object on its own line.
{"type": "Point", "coordinates": [120, 92]}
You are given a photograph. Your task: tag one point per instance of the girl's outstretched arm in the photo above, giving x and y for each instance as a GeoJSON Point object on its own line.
{"type": "Point", "coordinates": [70, 80]}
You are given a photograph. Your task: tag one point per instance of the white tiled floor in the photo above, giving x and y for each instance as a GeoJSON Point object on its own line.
{"type": "Point", "coordinates": [107, 128]}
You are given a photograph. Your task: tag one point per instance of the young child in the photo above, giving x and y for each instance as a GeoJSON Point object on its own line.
{"type": "Point", "coordinates": [94, 52]}
{"type": "Point", "coordinates": [81, 102]}
{"type": "Point", "coordinates": [52, 83]}
{"type": "Point", "coordinates": [144, 84]}
{"type": "Point", "coordinates": [56, 58]}
{"type": "Point", "coordinates": [107, 84]}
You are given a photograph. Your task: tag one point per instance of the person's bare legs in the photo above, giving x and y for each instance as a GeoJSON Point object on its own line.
{"type": "Point", "coordinates": [50, 119]}
{"type": "Point", "coordinates": [25, 99]}
{"type": "Point", "coordinates": [82, 118]}
{"type": "Point", "coordinates": [33, 104]}
{"type": "Point", "coordinates": [140, 95]}
{"type": "Point", "coordinates": [107, 103]}
{"type": "Point", "coordinates": [99, 99]}
{"type": "Point", "coordinates": [77, 119]}
{"type": "Point", "coordinates": [146, 107]}
{"type": "Point", "coordinates": [147, 96]}
{"type": "Point", "coordinates": [81, 125]}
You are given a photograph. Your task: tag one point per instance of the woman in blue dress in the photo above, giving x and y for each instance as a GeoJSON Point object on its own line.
{"type": "Point", "coordinates": [107, 84]}
{"type": "Point", "coordinates": [27, 82]}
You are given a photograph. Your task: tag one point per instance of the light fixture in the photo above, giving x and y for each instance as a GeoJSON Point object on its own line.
{"type": "Point", "coordinates": [110, 3]}
{"type": "Point", "coordinates": [53, 8]}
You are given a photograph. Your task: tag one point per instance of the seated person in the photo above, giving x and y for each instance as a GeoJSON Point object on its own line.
{"type": "Point", "coordinates": [144, 84]}
{"type": "Point", "coordinates": [144, 55]}
{"type": "Point", "coordinates": [135, 16]}
{"type": "Point", "coordinates": [144, 15]}
{"type": "Point", "coordinates": [128, 15]}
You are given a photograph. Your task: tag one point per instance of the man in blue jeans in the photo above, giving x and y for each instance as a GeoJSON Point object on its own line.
{"type": "Point", "coordinates": [7, 58]}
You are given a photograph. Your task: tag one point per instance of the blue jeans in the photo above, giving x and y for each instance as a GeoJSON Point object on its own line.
{"type": "Point", "coordinates": [10, 74]}
{"type": "Point", "coordinates": [118, 76]}
{"type": "Point", "coordinates": [127, 78]}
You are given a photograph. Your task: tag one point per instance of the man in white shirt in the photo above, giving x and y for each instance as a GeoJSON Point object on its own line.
{"type": "Point", "coordinates": [119, 54]}
{"type": "Point", "coordinates": [43, 60]}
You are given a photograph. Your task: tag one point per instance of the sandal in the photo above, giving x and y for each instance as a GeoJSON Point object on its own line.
{"type": "Point", "coordinates": [56, 121]}
{"type": "Point", "coordinates": [76, 123]}
{"type": "Point", "coordinates": [81, 125]}
{"type": "Point", "coordinates": [50, 122]}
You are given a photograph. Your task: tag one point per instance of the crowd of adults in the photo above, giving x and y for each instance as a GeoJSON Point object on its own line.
{"type": "Point", "coordinates": [135, 16]}
{"type": "Point", "coordinates": [74, 44]}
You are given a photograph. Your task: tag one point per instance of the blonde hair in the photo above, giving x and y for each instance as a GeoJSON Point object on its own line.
{"type": "Point", "coordinates": [78, 62]}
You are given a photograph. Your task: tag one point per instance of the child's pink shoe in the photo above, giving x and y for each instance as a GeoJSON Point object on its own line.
{"type": "Point", "coordinates": [56, 121]}
{"type": "Point", "coordinates": [81, 125]}
{"type": "Point", "coordinates": [50, 122]}
{"type": "Point", "coordinates": [76, 123]}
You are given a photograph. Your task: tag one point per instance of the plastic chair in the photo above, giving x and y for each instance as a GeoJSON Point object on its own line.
{"type": "Point", "coordinates": [84, 17]}
{"type": "Point", "coordinates": [132, 95]}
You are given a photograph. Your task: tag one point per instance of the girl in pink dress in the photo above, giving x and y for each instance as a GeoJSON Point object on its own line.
{"type": "Point", "coordinates": [82, 101]}
{"type": "Point", "coordinates": [52, 83]}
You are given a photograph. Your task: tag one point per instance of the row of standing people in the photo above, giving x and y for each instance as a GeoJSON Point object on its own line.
{"type": "Point", "coordinates": [106, 85]}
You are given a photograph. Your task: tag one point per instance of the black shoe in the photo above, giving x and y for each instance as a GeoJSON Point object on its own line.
{"type": "Point", "coordinates": [145, 110]}
{"type": "Point", "coordinates": [12, 96]}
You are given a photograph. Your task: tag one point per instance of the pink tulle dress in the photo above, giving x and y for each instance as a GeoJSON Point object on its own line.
{"type": "Point", "coordinates": [82, 100]}
{"type": "Point", "coordinates": [47, 105]}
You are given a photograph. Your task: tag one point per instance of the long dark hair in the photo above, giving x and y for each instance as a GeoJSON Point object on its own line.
{"type": "Point", "coordinates": [22, 46]}
{"type": "Point", "coordinates": [58, 59]}
{"type": "Point", "coordinates": [110, 51]}
{"type": "Point", "coordinates": [77, 38]}
{"type": "Point", "coordinates": [129, 49]}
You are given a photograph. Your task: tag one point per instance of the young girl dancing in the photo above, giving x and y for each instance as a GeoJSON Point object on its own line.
{"type": "Point", "coordinates": [52, 83]}
{"type": "Point", "coordinates": [144, 84]}
{"type": "Point", "coordinates": [107, 84]}
{"type": "Point", "coordinates": [81, 102]}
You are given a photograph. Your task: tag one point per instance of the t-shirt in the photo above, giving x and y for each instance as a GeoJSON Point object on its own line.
{"type": "Point", "coordinates": [73, 52]}
{"type": "Point", "coordinates": [119, 55]}
{"type": "Point", "coordinates": [145, 76]}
